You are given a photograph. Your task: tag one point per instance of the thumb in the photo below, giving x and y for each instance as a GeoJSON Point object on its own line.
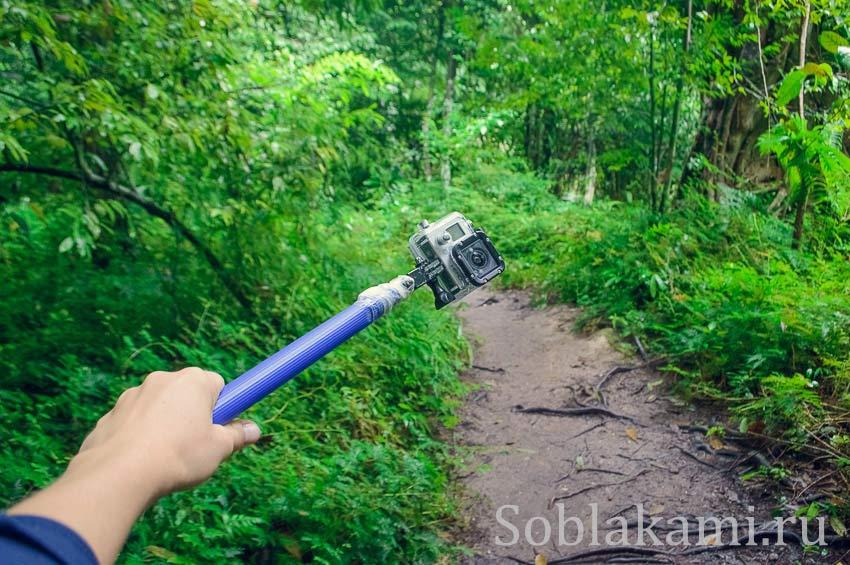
{"type": "Point", "coordinates": [243, 433]}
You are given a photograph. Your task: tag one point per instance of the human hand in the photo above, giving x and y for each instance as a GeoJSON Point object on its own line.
{"type": "Point", "coordinates": [158, 438]}
{"type": "Point", "coordinates": [163, 429]}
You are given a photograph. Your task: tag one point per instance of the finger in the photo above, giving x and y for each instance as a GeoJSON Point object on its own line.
{"type": "Point", "coordinates": [90, 440]}
{"type": "Point", "coordinates": [210, 376]}
{"type": "Point", "coordinates": [126, 396]}
{"type": "Point", "coordinates": [211, 381]}
{"type": "Point", "coordinates": [214, 382]}
{"type": "Point", "coordinates": [158, 376]}
{"type": "Point", "coordinates": [240, 433]}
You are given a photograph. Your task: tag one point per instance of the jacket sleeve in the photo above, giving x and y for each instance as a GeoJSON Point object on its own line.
{"type": "Point", "coordinates": [34, 540]}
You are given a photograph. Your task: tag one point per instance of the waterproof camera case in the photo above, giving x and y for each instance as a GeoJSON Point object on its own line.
{"type": "Point", "coordinates": [453, 258]}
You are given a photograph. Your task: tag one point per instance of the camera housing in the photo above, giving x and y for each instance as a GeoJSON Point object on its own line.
{"type": "Point", "coordinates": [453, 258]}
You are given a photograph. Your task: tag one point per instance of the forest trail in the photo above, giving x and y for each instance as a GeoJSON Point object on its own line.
{"type": "Point", "coordinates": [530, 357]}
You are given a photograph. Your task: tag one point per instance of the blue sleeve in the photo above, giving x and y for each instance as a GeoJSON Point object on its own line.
{"type": "Point", "coordinates": [33, 540]}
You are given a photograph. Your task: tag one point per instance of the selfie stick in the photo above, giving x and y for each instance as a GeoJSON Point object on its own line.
{"type": "Point", "coordinates": [248, 389]}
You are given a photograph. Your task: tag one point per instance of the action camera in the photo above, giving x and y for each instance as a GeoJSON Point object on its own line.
{"type": "Point", "coordinates": [453, 258]}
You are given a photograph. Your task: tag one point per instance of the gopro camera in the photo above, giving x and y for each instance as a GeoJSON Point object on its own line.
{"type": "Point", "coordinates": [453, 258]}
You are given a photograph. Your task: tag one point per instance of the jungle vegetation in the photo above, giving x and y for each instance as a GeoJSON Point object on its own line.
{"type": "Point", "coordinates": [198, 182]}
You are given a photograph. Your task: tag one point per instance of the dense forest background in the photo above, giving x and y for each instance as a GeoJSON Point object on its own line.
{"type": "Point", "coordinates": [200, 182]}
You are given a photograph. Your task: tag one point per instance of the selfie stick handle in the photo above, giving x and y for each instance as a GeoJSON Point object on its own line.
{"type": "Point", "coordinates": [243, 392]}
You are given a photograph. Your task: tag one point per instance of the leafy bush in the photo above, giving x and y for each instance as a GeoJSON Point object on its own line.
{"type": "Point", "coordinates": [195, 183]}
{"type": "Point", "coordinates": [348, 469]}
{"type": "Point", "coordinates": [715, 289]}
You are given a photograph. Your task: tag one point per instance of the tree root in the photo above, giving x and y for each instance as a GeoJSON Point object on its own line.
{"type": "Point", "coordinates": [594, 487]}
{"type": "Point", "coordinates": [571, 412]}
{"type": "Point", "coordinates": [488, 369]}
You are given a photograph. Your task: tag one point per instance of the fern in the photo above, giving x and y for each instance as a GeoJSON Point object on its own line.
{"type": "Point", "coordinates": [816, 169]}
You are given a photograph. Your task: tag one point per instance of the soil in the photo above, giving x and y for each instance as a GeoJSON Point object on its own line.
{"type": "Point", "coordinates": [634, 454]}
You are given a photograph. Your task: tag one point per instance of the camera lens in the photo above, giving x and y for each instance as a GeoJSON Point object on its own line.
{"type": "Point", "coordinates": [479, 263]}
{"type": "Point", "coordinates": [478, 258]}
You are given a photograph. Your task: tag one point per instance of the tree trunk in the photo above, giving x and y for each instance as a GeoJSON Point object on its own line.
{"type": "Point", "coordinates": [590, 186]}
{"type": "Point", "coordinates": [804, 34]}
{"type": "Point", "coordinates": [530, 152]}
{"type": "Point", "coordinates": [446, 165]}
{"type": "Point", "coordinates": [667, 194]}
{"type": "Point", "coordinates": [803, 200]}
{"type": "Point", "coordinates": [429, 106]}
{"type": "Point", "coordinates": [426, 132]}
{"type": "Point", "coordinates": [653, 145]}
{"type": "Point", "coordinates": [800, 213]}
{"type": "Point", "coordinates": [731, 126]}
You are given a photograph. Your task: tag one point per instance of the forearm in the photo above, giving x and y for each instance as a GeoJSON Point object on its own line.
{"type": "Point", "coordinates": [99, 497]}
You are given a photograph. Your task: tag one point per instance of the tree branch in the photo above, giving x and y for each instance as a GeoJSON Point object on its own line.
{"type": "Point", "coordinates": [148, 206]}
{"type": "Point", "coordinates": [25, 100]}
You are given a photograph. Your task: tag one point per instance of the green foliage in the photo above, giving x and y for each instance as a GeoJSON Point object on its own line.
{"type": "Point", "coordinates": [714, 289]}
{"type": "Point", "coordinates": [574, 74]}
{"type": "Point", "coordinates": [776, 474]}
{"type": "Point", "coordinates": [348, 470]}
{"type": "Point", "coordinates": [817, 170]}
{"type": "Point", "coordinates": [790, 88]}
{"type": "Point", "coordinates": [198, 182]}
{"type": "Point", "coordinates": [832, 42]}
{"type": "Point", "coordinates": [783, 400]}
{"type": "Point", "coordinates": [160, 160]}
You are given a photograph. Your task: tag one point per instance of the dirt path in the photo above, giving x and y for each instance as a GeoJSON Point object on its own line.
{"type": "Point", "coordinates": [527, 357]}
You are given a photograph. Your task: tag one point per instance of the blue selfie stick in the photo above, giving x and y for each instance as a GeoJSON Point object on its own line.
{"type": "Point", "coordinates": [254, 385]}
